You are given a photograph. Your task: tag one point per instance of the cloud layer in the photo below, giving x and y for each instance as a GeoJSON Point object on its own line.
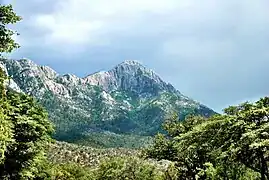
{"type": "Point", "coordinates": [214, 51]}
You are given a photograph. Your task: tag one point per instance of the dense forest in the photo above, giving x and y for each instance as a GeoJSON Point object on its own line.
{"type": "Point", "coordinates": [233, 145]}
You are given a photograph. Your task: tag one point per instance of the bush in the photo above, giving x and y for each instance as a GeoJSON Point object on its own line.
{"type": "Point", "coordinates": [128, 168]}
{"type": "Point", "coordinates": [69, 171]}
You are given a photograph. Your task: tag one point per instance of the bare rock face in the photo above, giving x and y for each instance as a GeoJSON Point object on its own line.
{"type": "Point", "coordinates": [10, 82]}
{"type": "Point", "coordinates": [131, 76]}
{"type": "Point", "coordinates": [129, 98]}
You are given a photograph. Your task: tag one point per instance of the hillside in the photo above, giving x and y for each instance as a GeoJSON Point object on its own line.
{"type": "Point", "coordinates": [122, 107]}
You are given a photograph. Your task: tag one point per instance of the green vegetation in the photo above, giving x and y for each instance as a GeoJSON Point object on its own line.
{"type": "Point", "coordinates": [234, 145]}
{"type": "Point", "coordinates": [96, 125]}
{"type": "Point", "coordinates": [112, 140]}
{"type": "Point", "coordinates": [127, 168]}
{"type": "Point", "coordinates": [29, 138]}
{"type": "Point", "coordinates": [230, 146]}
{"type": "Point", "coordinates": [62, 152]}
{"type": "Point", "coordinates": [113, 169]}
{"type": "Point", "coordinates": [24, 128]}
{"type": "Point", "coordinates": [7, 16]}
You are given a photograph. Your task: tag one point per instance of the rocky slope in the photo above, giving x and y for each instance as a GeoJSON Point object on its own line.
{"type": "Point", "coordinates": [120, 107]}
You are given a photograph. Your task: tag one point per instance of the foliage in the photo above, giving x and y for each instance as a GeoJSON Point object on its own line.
{"type": "Point", "coordinates": [5, 125]}
{"type": "Point", "coordinates": [62, 152]}
{"type": "Point", "coordinates": [127, 168]}
{"type": "Point", "coordinates": [229, 146]}
{"type": "Point", "coordinates": [116, 168]}
{"type": "Point", "coordinates": [7, 16]}
{"type": "Point", "coordinates": [68, 171]}
{"type": "Point", "coordinates": [112, 140]}
{"type": "Point", "coordinates": [31, 134]}
{"type": "Point", "coordinates": [7, 44]}
{"type": "Point", "coordinates": [24, 127]}
{"type": "Point", "coordinates": [70, 161]}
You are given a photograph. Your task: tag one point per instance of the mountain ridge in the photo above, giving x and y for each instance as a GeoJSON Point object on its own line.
{"type": "Point", "coordinates": [130, 70]}
{"type": "Point", "coordinates": [129, 99]}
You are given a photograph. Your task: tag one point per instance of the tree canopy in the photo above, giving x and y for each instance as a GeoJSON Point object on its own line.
{"type": "Point", "coordinates": [233, 145]}
{"type": "Point", "coordinates": [7, 44]}
{"type": "Point", "coordinates": [7, 16]}
{"type": "Point", "coordinates": [25, 130]}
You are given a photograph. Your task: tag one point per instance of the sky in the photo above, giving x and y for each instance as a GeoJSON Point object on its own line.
{"type": "Point", "coordinates": [214, 51]}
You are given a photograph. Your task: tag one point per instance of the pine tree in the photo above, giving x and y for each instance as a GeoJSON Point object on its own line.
{"type": "Point", "coordinates": [25, 130]}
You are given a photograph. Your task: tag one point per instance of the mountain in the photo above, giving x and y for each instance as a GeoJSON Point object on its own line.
{"type": "Point", "coordinates": [121, 107]}
{"type": "Point", "coordinates": [130, 76]}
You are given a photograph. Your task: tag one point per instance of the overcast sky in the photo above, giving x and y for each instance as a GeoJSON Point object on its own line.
{"type": "Point", "coordinates": [215, 51]}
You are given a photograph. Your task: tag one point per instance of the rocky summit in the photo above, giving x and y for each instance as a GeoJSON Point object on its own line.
{"type": "Point", "coordinates": [130, 76]}
{"type": "Point", "coordinates": [124, 106]}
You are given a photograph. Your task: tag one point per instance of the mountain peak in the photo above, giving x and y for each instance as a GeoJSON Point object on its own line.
{"type": "Point", "coordinates": [26, 61]}
{"type": "Point", "coordinates": [132, 62]}
{"type": "Point", "coordinates": [128, 66]}
{"type": "Point", "coordinates": [131, 75]}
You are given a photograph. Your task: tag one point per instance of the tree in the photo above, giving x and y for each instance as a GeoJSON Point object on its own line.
{"type": "Point", "coordinates": [7, 44]}
{"type": "Point", "coordinates": [250, 146]}
{"type": "Point", "coordinates": [24, 127]}
{"type": "Point", "coordinates": [5, 125]}
{"type": "Point", "coordinates": [127, 168]}
{"type": "Point", "coordinates": [7, 16]}
{"type": "Point", "coordinates": [180, 145]}
{"type": "Point", "coordinates": [31, 136]}
{"type": "Point", "coordinates": [234, 145]}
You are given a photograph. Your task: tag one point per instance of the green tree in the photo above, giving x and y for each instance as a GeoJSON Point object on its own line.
{"type": "Point", "coordinates": [7, 44]}
{"type": "Point", "coordinates": [24, 127]}
{"type": "Point", "coordinates": [31, 136]}
{"type": "Point", "coordinates": [177, 146]}
{"type": "Point", "coordinates": [250, 144]}
{"type": "Point", "coordinates": [67, 171]}
{"type": "Point", "coordinates": [7, 16]}
{"type": "Point", "coordinates": [5, 125]}
{"type": "Point", "coordinates": [127, 168]}
{"type": "Point", "coordinates": [229, 146]}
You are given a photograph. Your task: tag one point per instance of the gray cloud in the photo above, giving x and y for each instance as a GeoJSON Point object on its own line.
{"type": "Point", "coordinates": [214, 51]}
